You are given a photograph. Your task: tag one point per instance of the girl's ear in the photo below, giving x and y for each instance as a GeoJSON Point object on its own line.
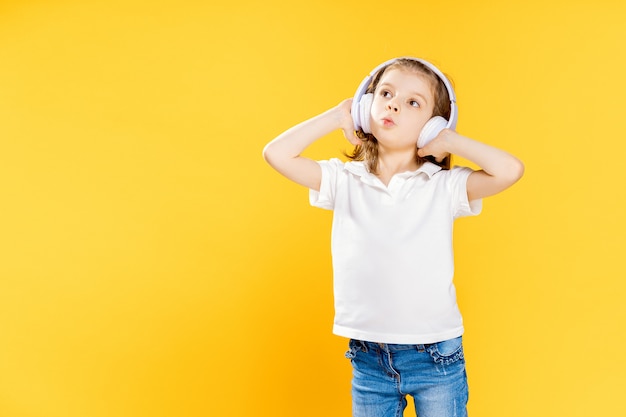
{"type": "Point", "coordinates": [430, 130]}
{"type": "Point", "coordinates": [364, 110]}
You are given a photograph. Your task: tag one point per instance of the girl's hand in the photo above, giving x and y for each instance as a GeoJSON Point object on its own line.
{"type": "Point", "coordinates": [438, 147]}
{"type": "Point", "coordinates": [345, 121]}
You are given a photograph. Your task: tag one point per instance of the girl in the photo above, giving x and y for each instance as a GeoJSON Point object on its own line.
{"type": "Point", "coordinates": [394, 205]}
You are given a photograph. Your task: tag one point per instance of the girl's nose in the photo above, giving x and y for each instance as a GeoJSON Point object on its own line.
{"type": "Point", "coordinates": [393, 106]}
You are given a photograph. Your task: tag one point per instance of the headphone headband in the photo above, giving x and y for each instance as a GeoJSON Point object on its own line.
{"type": "Point", "coordinates": [361, 90]}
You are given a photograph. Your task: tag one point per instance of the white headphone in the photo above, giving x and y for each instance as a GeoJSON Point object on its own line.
{"type": "Point", "coordinates": [362, 105]}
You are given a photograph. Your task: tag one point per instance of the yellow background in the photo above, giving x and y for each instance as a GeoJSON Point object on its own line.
{"type": "Point", "coordinates": [151, 264]}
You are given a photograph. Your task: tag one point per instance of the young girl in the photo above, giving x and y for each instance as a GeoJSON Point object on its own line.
{"type": "Point", "coordinates": [394, 205]}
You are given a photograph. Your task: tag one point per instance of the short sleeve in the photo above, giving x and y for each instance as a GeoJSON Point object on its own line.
{"type": "Point", "coordinates": [325, 197]}
{"type": "Point", "coordinates": [461, 206]}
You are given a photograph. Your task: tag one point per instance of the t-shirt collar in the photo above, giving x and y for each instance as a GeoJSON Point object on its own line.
{"type": "Point", "coordinates": [358, 168]}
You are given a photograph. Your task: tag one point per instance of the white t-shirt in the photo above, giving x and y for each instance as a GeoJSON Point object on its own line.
{"type": "Point", "coordinates": [392, 251]}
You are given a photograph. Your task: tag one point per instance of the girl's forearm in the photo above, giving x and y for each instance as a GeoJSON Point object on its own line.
{"type": "Point", "coordinates": [284, 152]}
{"type": "Point", "coordinates": [291, 143]}
{"type": "Point", "coordinates": [493, 161]}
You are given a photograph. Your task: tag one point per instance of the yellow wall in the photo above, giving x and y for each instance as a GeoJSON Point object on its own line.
{"type": "Point", "coordinates": [151, 264]}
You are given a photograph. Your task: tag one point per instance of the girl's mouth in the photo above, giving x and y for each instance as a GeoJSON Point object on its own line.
{"type": "Point", "coordinates": [388, 122]}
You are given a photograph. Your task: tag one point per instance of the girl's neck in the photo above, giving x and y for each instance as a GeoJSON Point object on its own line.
{"type": "Point", "coordinates": [395, 163]}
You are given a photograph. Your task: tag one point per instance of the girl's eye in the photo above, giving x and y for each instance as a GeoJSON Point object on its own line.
{"type": "Point", "coordinates": [414, 103]}
{"type": "Point", "coordinates": [385, 93]}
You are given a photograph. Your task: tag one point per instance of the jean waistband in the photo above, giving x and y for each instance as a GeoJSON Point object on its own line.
{"type": "Point", "coordinates": [392, 347]}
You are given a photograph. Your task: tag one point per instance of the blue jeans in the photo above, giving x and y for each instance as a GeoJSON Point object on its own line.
{"type": "Point", "coordinates": [384, 374]}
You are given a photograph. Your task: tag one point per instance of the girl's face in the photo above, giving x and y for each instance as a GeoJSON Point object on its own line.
{"type": "Point", "coordinates": [403, 103]}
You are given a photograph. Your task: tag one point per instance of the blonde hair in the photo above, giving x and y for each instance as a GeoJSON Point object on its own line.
{"type": "Point", "coordinates": [368, 150]}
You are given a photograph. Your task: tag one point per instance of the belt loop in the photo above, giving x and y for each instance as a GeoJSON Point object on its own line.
{"type": "Point", "coordinates": [421, 348]}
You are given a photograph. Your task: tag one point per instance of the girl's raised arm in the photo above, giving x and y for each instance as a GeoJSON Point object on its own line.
{"type": "Point", "coordinates": [283, 153]}
{"type": "Point", "coordinates": [499, 169]}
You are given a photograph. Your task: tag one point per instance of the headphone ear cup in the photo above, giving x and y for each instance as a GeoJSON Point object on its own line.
{"type": "Point", "coordinates": [430, 130]}
{"type": "Point", "coordinates": [364, 111]}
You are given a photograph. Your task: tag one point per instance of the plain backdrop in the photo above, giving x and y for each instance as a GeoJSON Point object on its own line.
{"type": "Point", "coordinates": [152, 264]}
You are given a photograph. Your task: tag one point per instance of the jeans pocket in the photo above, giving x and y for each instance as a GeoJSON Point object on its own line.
{"type": "Point", "coordinates": [448, 351]}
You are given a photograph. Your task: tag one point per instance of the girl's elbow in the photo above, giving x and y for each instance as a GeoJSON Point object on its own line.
{"type": "Point", "coordinates": [515, 172]}
{"type": "Point", "coordinates": [275, 157]}
{"type": "Point", "coordinates": [518, 170]}
{"type": "Point", "coordinates": [268, 153]}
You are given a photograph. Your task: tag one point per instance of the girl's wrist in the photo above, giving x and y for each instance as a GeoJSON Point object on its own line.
{"type": "Point", "coordinates": [450, 140]}
{"type": "Point", "coordinates": [342, 115]}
